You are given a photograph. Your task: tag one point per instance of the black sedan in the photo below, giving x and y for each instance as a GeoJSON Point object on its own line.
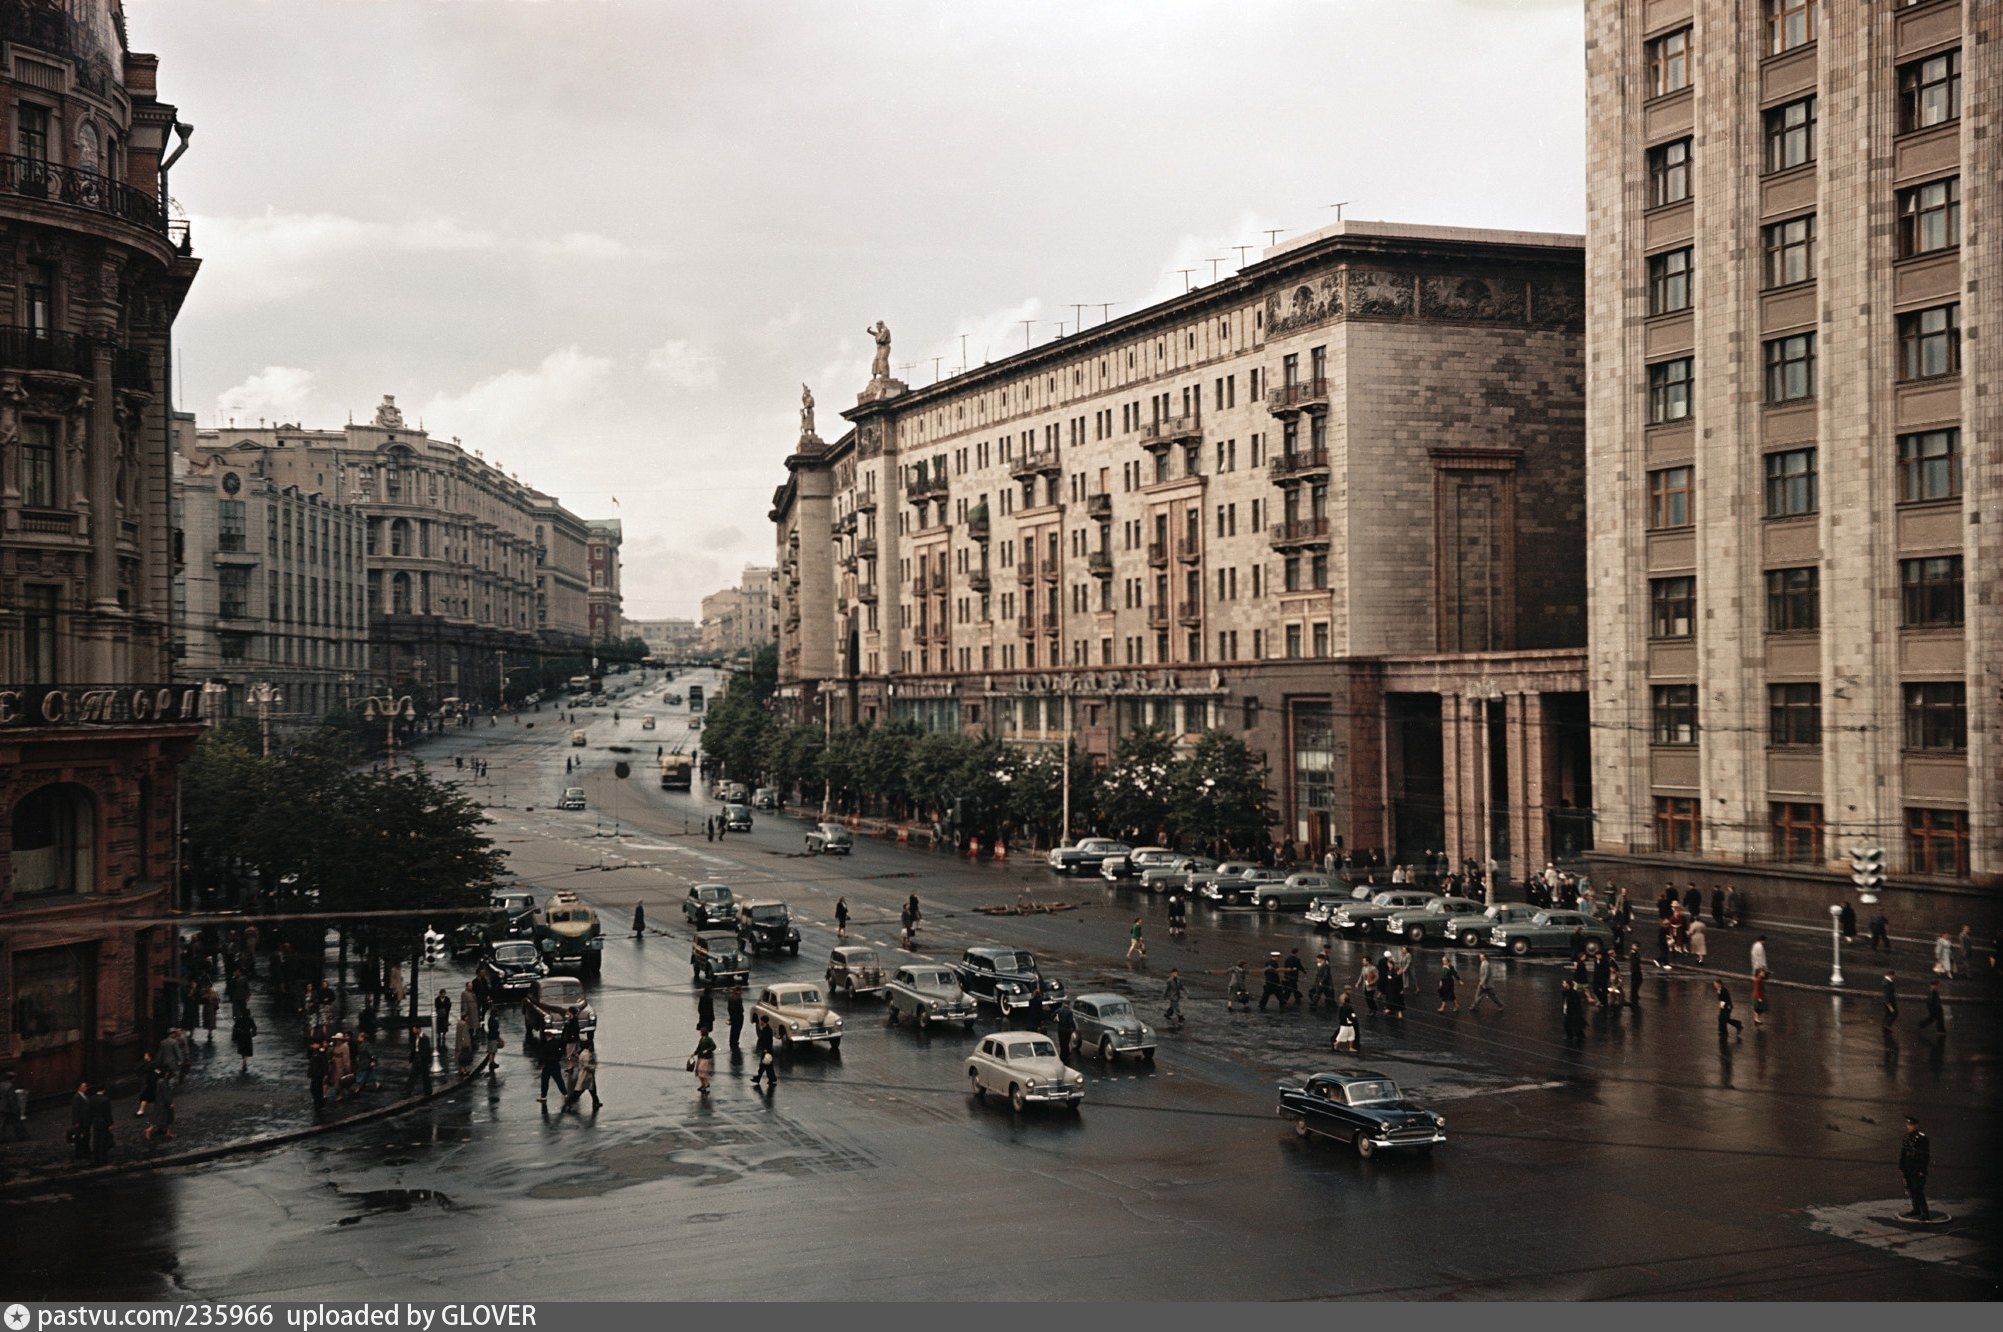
{"type": "Point", "coordinates": [1363, 1108]}
{"type": "Point", "coordinates": [511, 966]}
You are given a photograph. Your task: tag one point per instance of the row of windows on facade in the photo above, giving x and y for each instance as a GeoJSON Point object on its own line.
{"type": "Point", "coordinates": [36, 133]}
{"type": "Point", "coordinates": [286, 650]}
{"type": "Point", "coordinates": [1929, 471]}
{"type": "Point", "coordinates": [1937, 840]}
{"type": "Point", "coordinates": [40, 460]}
{"type": "Point", "coordinates": [409, 596]}
{"type": "Point", "coordinates": [1931, 596]}
{"type": "Point", "coordinates": [319, 538]}
{"type": "Point", "coordinates": [1935, 715]}
{"type": "Point", "coordinates": [1929, 347]}
{"type": "Point", "coordinates": [309, 599]}
{"type": "Point", "coordinates": [1293, 641]}
{"type": "Point", "coordinates": [408, 539]}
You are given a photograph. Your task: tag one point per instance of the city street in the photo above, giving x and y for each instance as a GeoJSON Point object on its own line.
{"type": "Point", "coordinates": [1654, 1162]}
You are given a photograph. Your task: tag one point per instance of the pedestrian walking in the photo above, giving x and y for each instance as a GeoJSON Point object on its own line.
{"type": "Point", "coordinates": [917, 916]}
{"type": "Point", "coordinates": [1345, 1024]}
{"type": "Point", "coordinates": [1367, 981]}
{"type": "Point", "coordinates": [1574, 1013]}
{"type": "Point", "coordinates": [1964, 952]}
{"type": "Point", "coordinates": [1324, 981]}
{"type": "Point", "coordinates": [211, 1006]}
{"type": "Point", "coordinates": [1757, 954]}
{"type": "Point", "coordinates": [1881, 932]}
{"type": "Point", "coordinates": [1936, 1016]}
{"type": "Point", "coordinates": [1067, 1027]}
{"type": "Point", "coordinates": [1699, 947]}
{"type": "Point", "coordinates": [1725, 1018]}
{"type": "Point", "coordinates": [1634, 977]}
{"type": "Point", "coordinates": [1270, 979]}
{"type": "Point", "coordinates": [1891, 1000]}
{"type": "Point", "coordinates": [841, 918]}
{"type": "Point", "coordinates": [768, 1066]}
{"type": "Point", "coordinates": [462, 1042]}
{"type": "Point", "coordinates": [584, 1078]}
{"type": "Point", "coordinates": [639, 920]}
{"type": "Point", "coordinates": [100, 1135]}
{"type": "Point", "coordinates": [168, 1058]}
{"type": "Point", "coordinates": [149, 1084]}
{"type": "Point", "coordinates": [1718, 905]}
{"type": "Point", "coordinates": [1290, 977]}
{"type": "Point", "coordinates": [1760, 997]}
{"type": "Point", "coordinates": [709, 830]}
{"type": "Point", "coordinates": [1915, 1157]}
{"type": "Point", "coordinates": [1393, 983]}
{"type": "Point", "coordinates": [1178, 918]}
{"type": "Point", "coordinates": [1943, 955]}
{"type": "Point", "coordinates": [705, 1010]}
{"type": "Point", "coordinates": [1484, 984]}
{"type": "Point", "coordinates": [734, 1011]}
{"type": "Point", "coordinates": [1236, 990]}
{"type": "Point", "coordinates": [703, 1061]}
{"type": "Point", "coordinates": [441, 1007]}
{"type": "Point", "coordinates": [1137, 944]}
{"type": "Point", "coordinates": [243, 1035]}
{"type": "Point", "coordinates": [160, 1123]}
{"type": "Point", "coordinates": [1846, 921]}
{"type": "Point", "coordinates": [420, 1063]}
{"type": "Point", "coordinates": [1174, 993]}
{"type": "Point", "coordinates": [1449, 979]}
{"type": "Point", "coordinates": [13, 1120]}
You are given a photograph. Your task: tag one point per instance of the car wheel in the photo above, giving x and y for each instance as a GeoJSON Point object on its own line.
{"type": "Point", "coordinates": [1106, 1050]}
{"type": "Point", "coordinates": [1415, 934]}
{"type": "Point", "coordinates": [1301, 1129]}
{"type": "Point", "coordinates": [1470, 939]}
{"type": "Point", "coordinates": [1592, 947]}
{"type": "Point", "coordinates": [1364, 1147]}
{"type": "Point", "coordinates": [785, 1042]}
{"type": "Point", "coordinates": [1016, 1100]}
{"type": "Point", "coordinates": [1519, 946]}
{"type": "Point", "coordinates": [1271, 904]}
{"type": "Point", "coordinates": [980, 1092]}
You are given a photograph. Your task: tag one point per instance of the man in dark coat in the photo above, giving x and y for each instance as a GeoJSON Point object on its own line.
{"type": "Point", "coordinates": [1273, 988]}
{"type": "Point", "coordinates": [734, 1009]}
{"type": "Point", "coordinates": [1067, 1028]}
{"type": "Point", "coordinates": [1935, 1017]}
{"type": "Point", "coordinates": [1891, 994]}
{"type": "Point", "coordinates": [1392, 982]}
{"type": "Point", "coordinates": [1846, 921]}
{"type": "Point", "coordinates": [100, 1125]}
{"type": "Point", "coordinates": [1725, 1018]}
{"type": "Point", "coordinates": [1634, 977]}
{"type": "Point", "coordinates": [1575, 1014]}
{"type": "Point", "coordinates": [1915, 1155]}
{"type": "Point", "coordinates": [705, 1010]}
{"type": "Point", "coordinates": [317, 1068]}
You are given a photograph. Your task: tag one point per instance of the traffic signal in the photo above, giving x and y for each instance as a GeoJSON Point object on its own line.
{"type": "Point", "coordinates": [434, 946]}
{"type": "Point", "coordinates": [1867, 871]}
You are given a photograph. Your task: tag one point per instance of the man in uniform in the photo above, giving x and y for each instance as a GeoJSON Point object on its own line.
{"type": "Point", "coordinates": [1324, 981]}
{"type": "Point", "coordinates": [1271, 979]}
{"type": "Point", "coordinates": [1915, 1154]}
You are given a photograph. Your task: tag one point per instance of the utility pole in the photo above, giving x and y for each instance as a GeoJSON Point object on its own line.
{"type": "Point", "coordinates": [1065, 831]}
{"type": "Point", "coordinates": [827, 738]}
{"type": "Point", "coordinates": [963, 353]}
{"type": "Point", "coordinates": [935, 368]}
{"type": "Point", "coordinates": [501, 671]}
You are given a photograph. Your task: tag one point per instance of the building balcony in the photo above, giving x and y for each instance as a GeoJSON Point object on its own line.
{"type": "Point", "coordinates": [1099, 507]}
{"type": "Point", "coordinates": [977, 526]}
{"type": "Point", "coordinates": [1099, 564]}
{"type": "Point", "coordinates": [845, 524]}
{"type": "Point", "coordinates": [48, 522]}
{"type": "Point", "coordinates": [1050, 569]}
{"type": "Point", "coordinates": [1158, 554]}
{"type": "Point", "coordinates": [1158, 617]}
{"type": "Point", "coordinates": [1189, 614]}
{"type": "Point", "coordinates": [1299, 465]}
{"type": "Point", "coordinates": [848, 563]}
{"type": "Point", "coordinates": [1299, 532]}
{"type": "Point", "coordinates": [865, 502]}
{"type": "Point", "coordinates": [1042, 462]}
{"type": "Point", "coordinates": [865, 547]}
{"type": "Point", "coordinates": [1026, 625]}
{"type": "Point", "coordinates": [1172, 430]}
{"type": "Point", "coordinates": [921, 585]}
{"type": "Point", "coordinates": [980, 580]}
{"type": "Point", "coordinates": [924, 489]}
{"type": "Point", "coordinates": [1308, 394]}
{"type": "Point", "coordinates": [1025, 573]}
{"type": "Point", "coordinates": [866, 593]}
{"type": "Point", "coordinates": [1049, 621]}
{"type": "Point", "coordinates": [1189, 550]}
{"type": "Point", "coordinates": [29, 178]}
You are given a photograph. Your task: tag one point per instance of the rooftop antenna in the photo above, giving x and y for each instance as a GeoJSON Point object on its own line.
{"type": "Point", "coordinates": [1105, 308]}
{"type": "Point", "coordinates": [1241, 252]}
{"type": "Point", "coordinates": [1273, 235]}
{"type": "Point", "coordinates": [1027, 324]}
{"type": "Point", "coordinates": [935, 368]}
{"type": "Point", "coordinates": [963, 353]}
{"type": "Point", "coordinates": [1078, 315]}
{"type": "Point", "coordinates": [1186, 284]}
{"type": "Point", "coordinates": [1338, 207]}
{"type": "Point", "coordinates": [1060, 326]}
{"type": "Point", "coordinates": [1213, 266]}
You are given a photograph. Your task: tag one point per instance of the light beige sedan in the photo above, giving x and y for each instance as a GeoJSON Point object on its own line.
{"type": "Point", "coordinates": [798, 1013]}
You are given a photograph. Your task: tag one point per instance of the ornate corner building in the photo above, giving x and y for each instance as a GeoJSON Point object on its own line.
{"type": "Point", "coordinates": [1795, 447]}
{"type": "Point", "coordinates": [1334, 503]}
{"type": "Point", "coordinates": [92, 274]}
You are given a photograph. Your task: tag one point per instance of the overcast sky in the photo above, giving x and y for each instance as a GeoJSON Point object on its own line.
{"type": "Point", "coordinates": [604, 241]}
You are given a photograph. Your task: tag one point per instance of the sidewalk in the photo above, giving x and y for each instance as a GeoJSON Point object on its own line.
{"type": "Point", "coordinates": [1798, 956]}
{"type": "Point", "coordinates": [217, 1109]}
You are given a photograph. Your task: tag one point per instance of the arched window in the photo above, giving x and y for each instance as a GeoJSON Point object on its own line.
{"type": "Point", "coordinates": [400, 594]}
{"type": "Point", "coordinates": [55, 837]}
{"type": "Point", "coordinates": [399, 537]}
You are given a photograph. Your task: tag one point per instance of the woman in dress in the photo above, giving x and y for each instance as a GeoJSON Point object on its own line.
{"type": "Point", "coordinates": [1698, 947]}
{"type": "Point", "coordinates": [703, 1061]}
{"type": "Point", "coordinates": [1760, 997]}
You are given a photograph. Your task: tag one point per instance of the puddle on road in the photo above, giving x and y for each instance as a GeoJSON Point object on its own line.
{"type": "Point", "coordinates": [376, 1202]}
{"type": "Point", "coordinates": [726, 1147]}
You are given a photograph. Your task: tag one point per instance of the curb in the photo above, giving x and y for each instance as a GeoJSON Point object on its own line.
{"type": "Point", "coordinates": [1687, 971]}
{"type": "Point", "coordinates": [31, 1183]}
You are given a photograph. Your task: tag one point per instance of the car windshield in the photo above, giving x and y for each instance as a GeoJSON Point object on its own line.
{"type": "Point", "coordinates": [833, 831]}
{"type": "Point", "coordinates": [1386, 899]}
{"type": "Point", "coordinates": [859, 959]}
{"type": "Point", "coordinates": [1116, 1009]}
{"type": "Point", "coordinates": [1382, 1091]}
{"type": "Point", "coordinates": [713, 894]}
{"type": "Point", "coordinates": [720, 944]}
{"type": "Point", "coordinates": [563, 993]}
{"type": "Point", "coordinates": [768, 913]}
{"type": "Point", "coordinates": [1015, 964]}
{"type": "Point", "coordinates": [934, 980]}
{"type": "Point", "coordinates": [515, 953]}
{"type": "Point", "coordinates": [1031, 1050]}
{"type": "Point", "coordinates": [790, 998]}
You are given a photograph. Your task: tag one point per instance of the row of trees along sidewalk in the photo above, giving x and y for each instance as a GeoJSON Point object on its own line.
{"type": "Point", "coordinates": [1213, 792]}
{"type": "Point", "coordinates": [307, 832]}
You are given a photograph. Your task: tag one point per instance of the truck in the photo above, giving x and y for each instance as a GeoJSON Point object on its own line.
{"type": "Point", "coordinates": [676, 772]}
{"type": "Point", "coordinates": [569, 936]}
{"type": "Point", "coordinates": [695, 698]}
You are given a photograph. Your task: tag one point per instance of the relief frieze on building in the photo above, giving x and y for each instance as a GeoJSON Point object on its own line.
{"type": "Point", "coordinates": [1380, 293]}
{"type": "Point", "coordinates": [1558, 304]}
{"type": "Point", "coordinates": [1315, 301]}
{"type": "Point", "coordinates": [1377, 293]}
{"type": "Point", "coordinates": [1469, 299]}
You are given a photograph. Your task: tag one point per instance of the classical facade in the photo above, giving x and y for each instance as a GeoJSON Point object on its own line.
{"type": "Point", "coordinates": [270, 587]}
{"type": "Point", "coordinates": [674, 640]}
{"type": "Point", "coordinates": [92, 731]}
{"type": "Point", "coordinates": [1793, 446]}
{"type": "Point", "coordinates": [740, 619]}
{"type": "Point", "coordinates": [602, 601]}
{"type": "Point", "coordinates": [468, 570]}
{"type": "Point", "coordinates": [1334, 503]}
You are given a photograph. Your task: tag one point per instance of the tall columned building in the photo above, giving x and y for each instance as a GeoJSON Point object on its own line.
{"type": "Point", "coordinates": [92, 731]}
{"type": "Point", "coordinates": [1795, 446]}
{"type": "Point", "coordinates": [1333, 504]}
{"type": "Point", "coordinates": [603, 601]}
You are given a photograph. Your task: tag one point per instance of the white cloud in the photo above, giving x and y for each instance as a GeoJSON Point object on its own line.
{"type": "Point", "coordinates": [681, 364]}
{"type": "Point", "coordinates": [525, 407]}
{"type": "Point", "coordinates": [275, 393]}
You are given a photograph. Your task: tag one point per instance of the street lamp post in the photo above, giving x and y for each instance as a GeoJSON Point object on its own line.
{"type": "Point", "coordinates": [263, 694]}
{"type": "Point", "coordinates": [389, 707]}
{"type": "Point", "coordinates": [1836, 944]}
{"type": "Point", "coordinates": [827, 738]}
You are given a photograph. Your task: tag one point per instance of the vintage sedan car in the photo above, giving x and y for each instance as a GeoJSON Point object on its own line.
{"type": "Point", "coordinates": [1220, 873]}
{"type": "Point", "coordinates": [572, 798]}
{"type": "Point", "coordinates": [1243, 890]}
{"type": "Point", "coordinates": [765, 797]}
{"type": "Point", "coordinates": [1107, 1023]}
{"type": "Point", "coordinates": [1087, 854]}
{"type": "Point", "coordinates": [854, 969]}
{"type": "Point", "coordinates": [1363, 1108]}
{"type": "Point", "coordinates": [737, 818]}
{"type": "Point", "coordinates": [767, 925]}
{"type": "Point", "coordinates": [716, 958]}
{"type": "Point", "coordinates": [553, 1001]}
{"type": "Point", "coordinates": [1024, 1067]}
{"type": "Point", "coordinates": [1442, 920]}
{"type": "Point", "coordinates": [577, 739]}
{"type": "Point", "coordinates": [646, 723]}
{"type": "Point", "coordinates": [830, 839]}
{"type": "Point", "coordinates": [1006, 978]}
{"type": "Point", "coordinates": [1322, 910]}
{"type": "Point", "coordinates": [1551, 931]}
{"type": "Point", "coordinates": [1296, 892]}
{"type": "Point", "coordinates": [799, 1015]}
{"type": "Point", "coordinates": [710, 904]}
{"type": "Point", "coordinates": [570, 935]}
{"type": "Point", "coordinates": [1473, 931]}
{"type": "Point", "coordinates": [1130, 864]}
{"type": "Point", "coordinates": [1178, 875]}
{"type": "Point", "coordinates": [511, 966]}
{"type": "Point", "coordinates": [928, 992]}
{"type": "Point", "coordinates": [1364, 919]}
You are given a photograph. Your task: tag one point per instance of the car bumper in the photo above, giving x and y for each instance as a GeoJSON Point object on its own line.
{"type": "Point", "coordinates": [956, 1013]}
{"type": "Point", "coordinates": [814, 1036]}
{"type": "Point", "coordinates": [1054, 1095]}
{"type": "Point", "coordinates": [1408, 1142]}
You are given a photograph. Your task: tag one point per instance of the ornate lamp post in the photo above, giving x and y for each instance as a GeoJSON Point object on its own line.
{"type": "Point", "coordinates": [262, 695]}
{"type": "Point", "coordinates": [389, 707]}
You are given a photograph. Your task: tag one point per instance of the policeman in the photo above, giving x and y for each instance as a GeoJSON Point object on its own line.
{"type": "Point", "coordinates": [1324, 981]}
{"type": "Point", "coordinates": [1274, 989]}
{"type": "Point", "coordinates": [1915, 1154]}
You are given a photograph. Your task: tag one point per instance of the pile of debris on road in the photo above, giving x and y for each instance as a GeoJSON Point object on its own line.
{"type": "Point", "coordinates": [1027, 909]}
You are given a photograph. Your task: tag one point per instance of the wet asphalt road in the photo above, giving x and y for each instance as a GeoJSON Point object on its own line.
{"type": "Point", "coordinates": [1652, 1164]}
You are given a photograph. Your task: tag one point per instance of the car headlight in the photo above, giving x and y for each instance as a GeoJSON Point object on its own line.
{"type": "Point", "coordinates": [792, 1025]}
{"type": "Point", "coordinates": [1439, 1121]}
{"type": "Point", "coordinates": [835, 1020]}
{"type": "Point", "coordinates": [1029, 1084]}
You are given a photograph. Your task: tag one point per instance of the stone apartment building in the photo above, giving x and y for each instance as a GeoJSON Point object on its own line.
{"type": "Point", "coordinates": [740, 619]}
{"type": "Point", "coordinates": [468, 569]}
{"type": "Point", "coordinates": [92, 729]}
{"type": "Point", "coordinates": [602, 600]}
{"type": "Point", "coordinates": [1795, 457]}
{"type": "Point", "coordinates": [673, 640]}
{"type": "Point", "coordinates": [270, 588]}
{"type": "Point", "coordinates": [1334, 503]}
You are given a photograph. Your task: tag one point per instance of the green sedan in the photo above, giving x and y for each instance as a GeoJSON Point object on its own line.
{"type": "Point", "coordinates": [1551, 931]}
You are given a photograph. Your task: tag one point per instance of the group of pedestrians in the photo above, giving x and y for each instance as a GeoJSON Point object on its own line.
{"type": "Point", "coordinates": [570, 1062]}
{"type": "Point", "coordinates": [702, 1060]}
